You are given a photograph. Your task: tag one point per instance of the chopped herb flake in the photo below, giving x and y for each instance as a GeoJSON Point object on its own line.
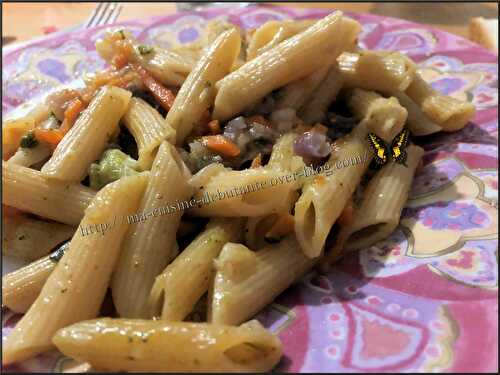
{"type": "Point", "coordinates": [144, 50]}
{"type": "Point", "coordinates": [29, 140]}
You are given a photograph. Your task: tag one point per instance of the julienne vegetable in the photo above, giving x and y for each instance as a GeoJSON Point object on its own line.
{"type": "Point", "coordinates": [221, 145]}
{"type": "Point", "coordinates": [164, 96]}
{"type": "Point", "coordinates": [51, 137]}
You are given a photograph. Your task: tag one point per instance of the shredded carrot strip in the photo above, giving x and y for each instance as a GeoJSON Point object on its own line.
{"type": "Point", "coordinates": [119, 60]}
{"type": "Point", "coordinates": [71, 113]}
{"type": "Point", "coordinates": [259, 120]}
{"type": "Point", "coordinates": [214, 127]}
{"type": "Point", "coordinates": [283, 226]}
{"type": "Point", "coordinates": [160, 92]}
{"type": "Point", "coordinates": [346, 217]}
{"type": "Point", "coordinates": [50, 136]}
{"type": "Point", "coordinates": [257, 161]}
{"type": "Point", "coordinates": [221, 145]}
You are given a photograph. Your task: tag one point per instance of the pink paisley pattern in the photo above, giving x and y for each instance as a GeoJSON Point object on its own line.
{"type": "Point", "coordinates": [401, 305]}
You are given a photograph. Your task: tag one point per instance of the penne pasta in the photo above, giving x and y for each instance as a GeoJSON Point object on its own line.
{"type": "Point", "coordinates": [14, 129]}
{"type": "Point", "coordinates": [383, 116]}
{"type": "Point", "coordinates": [193, 267]}
{"type": "Point", "coordinates": [76, 288]}
{"type": "Point", "coordinates": [296, 93]}
{"type": "Point", "coordinates": [315, 109]}
{"type": "Point", "coordinates": [228, 193]}
{"type": "Point", "coordinates": [29, 238]}
{"type": "Point", "coordinates": [290, 60]}
{"type": "Point", "coordinates": [28, 157]}
{"type": "Point", "coordinates": [159, 346]}
{"type": "Point", "coordinates": [325, 196]}
{"type": "Point", "coordinates": [449, 113]}
{"type": "Point", "coordinates": [149, 130]}
{"type": "Point", "coordinates": [21, 287]}
{"type": "Point", "coordinates": [417, 121]}
{"type": "Point", "coordinates": [169, 67]}
{"type": "Point", "coordinates": [381, 71]}
{"type": "Point", "coordinates": [380, 210]}
{"type": "Point", "coordinates": [30, 191]}
{"type": "Point", "coordinates": [251, 192]}
{"type": "Point", "coordinates": [262, 36]}
{"type": "Point", "coordinates": [197, 94]}
{"type": "Point", "coordinates": [263, 230]}
{"type": "Point", "coordinates": [87, 139]}
{"type": "Point", "coordinates": [150, 242]}
{"type": "Point", "coordinates": [283, 156]}
{"type": "Point", "coordinates": [247, 281]}
{"type": "Point", "coordinates": [285, 30]}
{"type": "Point", "coordinates": [237, 130]}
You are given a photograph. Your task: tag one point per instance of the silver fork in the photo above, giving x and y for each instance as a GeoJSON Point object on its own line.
{"type": "Point", "coordinates": [104, 13]}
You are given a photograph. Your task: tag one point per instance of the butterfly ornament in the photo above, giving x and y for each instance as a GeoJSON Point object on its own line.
{"type": "Point", "coordinates": [397, 150]}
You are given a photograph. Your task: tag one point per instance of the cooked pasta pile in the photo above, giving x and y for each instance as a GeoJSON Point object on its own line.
{"type": "Point", "coordinates": [158, 127]}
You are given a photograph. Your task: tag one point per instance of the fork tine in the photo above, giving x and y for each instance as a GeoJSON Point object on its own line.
{"type": "Point", "coordinates": [113, 14]}
{"type": "Point", "coordinates": [93, 15]}
{"type": "Point", "coordinates": [116, 14]}
{"type": "Point", "coordinates": [101, 16]}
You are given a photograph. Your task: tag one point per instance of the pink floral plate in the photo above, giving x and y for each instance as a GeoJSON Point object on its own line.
{"type": "Point", "coordinates": [424, 299]}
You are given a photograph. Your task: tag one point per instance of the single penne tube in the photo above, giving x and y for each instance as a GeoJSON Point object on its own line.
{"type": "Point", "coordinates": [283, 156]}
{"type": "Point", "coordinates": [14, 129]}
{"type": "Point", "coordinates": [30, 191]}
{"type": "Point", "coordinates": [262, 230]}
{"type": "Point", "coordinates": [383, 116]}
{"type": "Point", "coordinates": [161, 346]}
{"type": "Point", "coordinates": [149, 130]}
{"type": "Point", "coordinates": [197, 93]}
{"type": "Point", "coordinates": [418, 123]}
{"type": "Point", "coordinates": [247, 281]}
{"type": "Point", "coordinates": [224, 192]}
{"type": "Point", "coordinates": [285, 30]}
{"type": "Point", "coordinates": [381, 71]}
{"type": "Point", "coordinates": [449, 113]}
{"type": "Point", "coordinates": [251, 192]}
{"type": "Point", "coordinates": [87, 139]}
{"type": "Point", "coordinates": [21, 287]}
{"type": "Point", "coordinates": [169, 67]}
{"type": "Point", "coordinates": [296, 93]}
{"type": "Point", "coordinates": [76, 288]}
{"type": "Point", "coordinates": [30, 156]}
{"type": "Point", "coordinates": [150, 242]}
{"type": "Point", "coordinates": [380, 210]}
{"type": "Point", "coordinates": [323, 198]}
{"type": "Point", "coordinates": [290, 60]}
{"type": "Point", "coordinates": [262, 36]}
{"type": "Point", "coordinates": [315, 109]}
{"type": "Point", "coordinates": [194, 268]}
{"type": "Point", "coordinates": [29, 238]}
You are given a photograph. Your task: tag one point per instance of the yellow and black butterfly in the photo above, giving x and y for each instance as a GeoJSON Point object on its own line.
{"type": "Point", "coordinates": [397, 151]}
